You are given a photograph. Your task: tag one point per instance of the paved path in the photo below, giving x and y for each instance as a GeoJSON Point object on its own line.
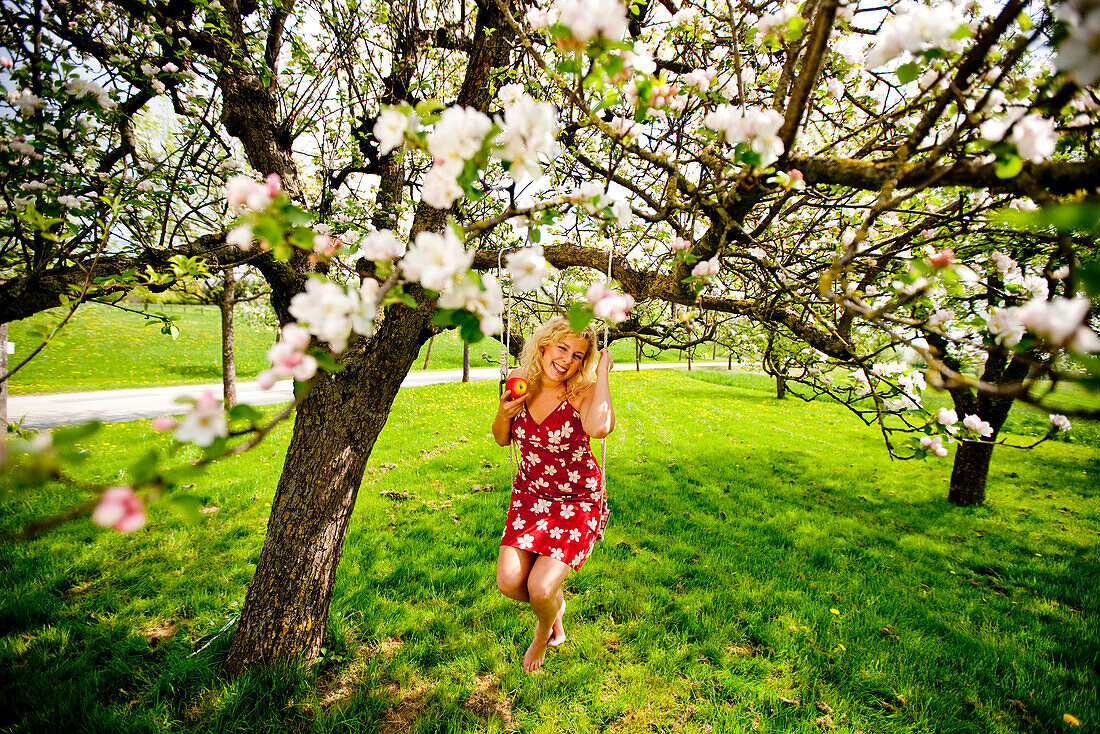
{"type": "Point", "coordinates": [48, 410]}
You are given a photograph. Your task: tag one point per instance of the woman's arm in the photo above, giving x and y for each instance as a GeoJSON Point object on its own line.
{"type": "Point", "coordinates": [597, 412]}
{"type": "Point", "coordinates": [506, 410]}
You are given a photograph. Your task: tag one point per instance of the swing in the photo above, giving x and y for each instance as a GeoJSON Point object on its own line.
{"type": "Point", "coordinates": [505, 367]}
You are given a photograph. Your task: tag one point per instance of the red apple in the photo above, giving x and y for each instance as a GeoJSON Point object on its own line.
{"type": "Point", "coordinates": [516, 387]}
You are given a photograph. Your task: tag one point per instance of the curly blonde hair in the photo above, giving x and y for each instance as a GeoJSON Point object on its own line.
{"type": "Point", "coordinates": [552, 331]}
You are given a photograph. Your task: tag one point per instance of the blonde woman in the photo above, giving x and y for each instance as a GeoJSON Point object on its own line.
{"type": "Point", "coordinates": [558, 504]}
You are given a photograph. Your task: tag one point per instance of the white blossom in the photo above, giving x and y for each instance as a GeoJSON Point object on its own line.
{"type": "Point", "coordinates": [527, 267]}
{"type": "Point", "coordinates": [434, 260]}
{"type": "Point", "coordinates": [587, 19]}
{"type": "Point", "coordinates": [323, 308]}
{"type": "Point", "coordinates": [1059, 422]}
{"type": "Point", "coordinates": [390, 129]}
{"type": "Point", "coordinates": [1061, 322]}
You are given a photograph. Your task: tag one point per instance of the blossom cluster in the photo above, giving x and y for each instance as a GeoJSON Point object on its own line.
{"type": "Point", "coordinates": [914, 28]}
{"type": "Point", "coordinates": [331, 312]}
{"type": "Point", "coordinates": [757, 127]}
{"type": "Point", "coordinates": [1033, 136]}
{"type": "Point", "coordinates": [527, 267]}
{"type": "Point", "coordinates": [608, 304]}
{"type": "Point", "coordinates": [288, 358]}
{"type": "Point", "coordinates": [585, 19]}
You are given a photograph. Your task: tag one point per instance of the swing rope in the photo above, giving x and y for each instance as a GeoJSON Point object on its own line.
{"type": "Point", "coordinates": [506, 360]}
{"type": "Point", "coordinates": [603, 441]}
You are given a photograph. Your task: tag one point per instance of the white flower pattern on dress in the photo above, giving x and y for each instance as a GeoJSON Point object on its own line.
{"type": "Point", "coordinates": [567, 511]}
{"type": "Point", "coordinates": [574, 535]}
{"type": "Point", "coordinates": [525, 542]}
{"type": "Point", "coordinates": [557, 554]}
{"type": "Point", "coordinates": [541, 506]}
{"type": "Point", "coordinates": [555, 532]}
{"type": "Point", "coordinates": [542, 525]}
{"type": "Point", "coordinates": [519, 523]}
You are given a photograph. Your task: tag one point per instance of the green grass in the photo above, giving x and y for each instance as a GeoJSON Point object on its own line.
{"type": "Point", "coordinates": [102, 348]}
{"type": "Point", "coordinates": [764, 560]}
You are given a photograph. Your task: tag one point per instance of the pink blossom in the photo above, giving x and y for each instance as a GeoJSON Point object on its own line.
{"type": "Point", "coordinates": [679, 243]}
{"type": "Point", "coordinates": [976, 424]}
{"type": "Point", "coordinates": [274, 185]}
{"type": "Point", "coordinates": [204, 423]}
{"type": "Point", "coordinates": [1059, 422]}
{"type": "Point", "coordinates": [947, 417]}
{"type": "Point", "coordinates": [288, 357]}
{"type": "Point", "coordinates": [706, 268]}
{"type": "Point", "coordinates": [1061, 322]}
{"type": "Point", "coordinates": [934, 444]}
{"type": "Point", "coordinates": [943, 258]}
{"type": "Point", "coordinates": [121, 509]}
{"type": "Point", "coordinates": [607, 304]}
{"type": "Point", "coordinates": [164, 423]}
{"type": "Point", "coordinates": [323, 245]}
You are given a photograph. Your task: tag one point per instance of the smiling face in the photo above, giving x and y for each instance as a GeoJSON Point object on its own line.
{"type": "Point", "coordinates": [562, 359]}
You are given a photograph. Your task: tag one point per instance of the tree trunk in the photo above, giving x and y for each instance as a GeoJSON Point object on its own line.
{"type": "Point", "coordinates": [971, 465]}
{"type": "Point", "coordinates": [689, 361]}
{"type": "Point", "coordinates": [969, 472]}
{"type": "Point", "coordinates": [286, 608]}
{"type": "Point", "coordinates": [465, 362]}
{"type": "Point", "coordinates": [729, 361]}
{"type": "Point", "coordinates": [637, 355]}
{"type": "Point", "coordinates": [229, 367]}
{"type": "Point", "coordinates": [428, 352]}
{"type": "Point", "coordinates": [780, 388]}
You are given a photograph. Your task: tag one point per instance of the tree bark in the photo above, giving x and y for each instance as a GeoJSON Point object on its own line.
{"type": "Point", "coordinates": [780, 388]}
{"type": "Point", "coordinates": [971, 464]}
{"type": "Point", "coordinates": [465, 362]}
{"type": "Point", "coordinates": [286, 607]}
{"type": "Point", "coordinates": [229, 366]}
{"type": "Point", "coordinates": [428, 352]}
{"type": "Point", "coordinates": [637, 355]}
{"type": "Point", "coordinates": [969, 472]}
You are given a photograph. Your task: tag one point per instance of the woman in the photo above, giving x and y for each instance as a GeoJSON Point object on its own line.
{"type": "Point", "coordinates": [558, 504]}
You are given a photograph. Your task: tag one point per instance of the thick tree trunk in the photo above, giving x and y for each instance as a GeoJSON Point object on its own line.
{"type": "Point", "coordinates": [229, 362]}
{"type": "Point", "coordinates": [286, 608]}
{"type": "Point", "coordinates": [780, 388]}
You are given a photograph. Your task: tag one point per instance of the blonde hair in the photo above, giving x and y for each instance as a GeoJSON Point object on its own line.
{"type": "Point", "coordinates": [553, 331]}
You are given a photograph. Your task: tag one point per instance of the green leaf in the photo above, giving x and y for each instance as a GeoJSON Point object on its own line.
{"type": "Point", "coordinates": [244, 412]}
{"type": "Point", "coordinates": [963, 31]}
{"type": "Point", "coordinates": [470, 329]}
{"type": "Point", "coordinates": [444, 317]}
{"type": "Point", "coordinates": [1082, 216]}
{"type": "Point", "coordinates": [145, 468]}
{"type": "Point", "coordinates": [908, 72]}
{"type": "Point", "coordinates": [1009, 167]}
{"type": "Point", "coordinates": [68, 435]}
{"type": "Point", "coordinates": [579, 317]}
{"type": "Point", "coordinates": [187, 505]}
{"type": "Point", "coordinates": [326, 361]}
{"type": "Point", "coordinates": [1088, 276]}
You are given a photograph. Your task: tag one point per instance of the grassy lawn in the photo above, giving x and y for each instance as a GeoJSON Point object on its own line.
{"type": "Point", "coordinates": [766, 565]}
{"type": "Point", "coordinates": [103, 348]}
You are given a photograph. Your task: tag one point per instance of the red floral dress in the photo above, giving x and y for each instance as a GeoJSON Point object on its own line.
{"type": "Point", "coordinates": [558, 502]}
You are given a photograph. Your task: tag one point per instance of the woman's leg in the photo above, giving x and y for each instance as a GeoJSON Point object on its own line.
{"type": "Point", "coordinates": [548, 602]}
{"type": "Point", "coordinates": [513, 567]}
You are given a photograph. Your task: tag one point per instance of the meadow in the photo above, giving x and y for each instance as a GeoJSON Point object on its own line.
{"type": "Point", "coordinates": [104, 348]}
{"type": "Point", "coordinates": [766, 568]}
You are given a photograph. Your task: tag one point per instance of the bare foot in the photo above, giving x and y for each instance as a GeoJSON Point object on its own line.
{"type": "Point", "coordinates": [536, 653]}
{"type": "Point", "coordinates": [557, 635]}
